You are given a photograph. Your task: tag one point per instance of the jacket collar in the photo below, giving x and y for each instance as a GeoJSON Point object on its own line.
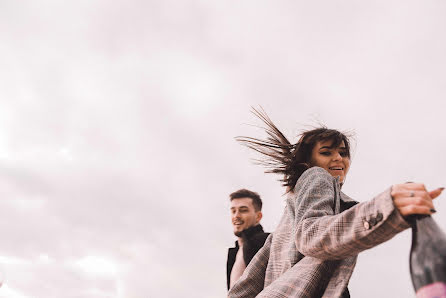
{"type": "Point", "coordinates": [249, 232]}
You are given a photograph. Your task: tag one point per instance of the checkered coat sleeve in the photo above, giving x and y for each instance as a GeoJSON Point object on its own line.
{"type": "Point", "coordinates": [313, 251]}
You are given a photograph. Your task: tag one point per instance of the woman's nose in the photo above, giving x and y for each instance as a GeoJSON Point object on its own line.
{"type": "Point", "coordinates": [337, 156]}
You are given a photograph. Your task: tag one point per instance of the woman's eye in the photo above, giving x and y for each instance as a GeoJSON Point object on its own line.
{"type": "Point", "coordinates": [326, 153]}
{"type": "Point", "coordinates": [343, 154]}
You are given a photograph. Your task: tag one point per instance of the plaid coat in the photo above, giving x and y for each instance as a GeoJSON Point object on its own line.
{"type": "Point", "coordinates": [313, 251]}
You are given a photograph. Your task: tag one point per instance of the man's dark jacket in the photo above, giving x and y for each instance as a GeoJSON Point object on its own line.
{"type": "Point", "coordinates": [253, 240]}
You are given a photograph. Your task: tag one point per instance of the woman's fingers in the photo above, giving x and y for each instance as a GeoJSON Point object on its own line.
{"type": "Point", "coordinates": [413, 198]}
{"type": "Point", "coordinates": [414, 201]}
{"type": "Point", "coordinates": [435, 193]}
{"type": "Point", "coordinates": [412, 209]}
{"type": "Point", "coordinates": [413, 186]}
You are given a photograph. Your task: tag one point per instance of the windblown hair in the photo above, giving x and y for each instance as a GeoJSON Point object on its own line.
{"type": "Point", "coordinates": [282, 157]}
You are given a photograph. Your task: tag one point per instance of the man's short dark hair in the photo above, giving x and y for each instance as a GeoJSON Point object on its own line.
{"type": "Point", "coordinates": [245, 193]}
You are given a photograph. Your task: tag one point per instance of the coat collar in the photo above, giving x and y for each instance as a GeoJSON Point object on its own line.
{"type": "Point", "coordinates": [249, 232]}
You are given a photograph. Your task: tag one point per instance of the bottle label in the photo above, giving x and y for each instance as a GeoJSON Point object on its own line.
{"type": "Point", "coordinates": [435, 290]}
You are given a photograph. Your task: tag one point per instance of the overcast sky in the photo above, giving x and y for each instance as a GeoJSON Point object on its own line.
{"type": "Point", "coordinates": [118, 118]}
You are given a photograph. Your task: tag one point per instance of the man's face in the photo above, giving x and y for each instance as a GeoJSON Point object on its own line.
{"type": "Point", "coordinates": [243, 215]}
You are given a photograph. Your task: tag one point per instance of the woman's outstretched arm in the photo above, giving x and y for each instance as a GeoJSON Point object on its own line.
{"type": "Point", "coordinates": [322, 234]}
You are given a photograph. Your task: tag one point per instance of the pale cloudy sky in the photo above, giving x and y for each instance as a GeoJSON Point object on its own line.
{"type": "Point", "coordinates": [118, 118]}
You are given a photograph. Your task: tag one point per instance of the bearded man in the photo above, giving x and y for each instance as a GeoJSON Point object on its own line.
{"type": "Point", "coordinates": [246, 213]}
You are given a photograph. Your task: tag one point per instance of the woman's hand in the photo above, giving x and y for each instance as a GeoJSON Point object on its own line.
{"type": "Point", "coordinates": [413, 198]}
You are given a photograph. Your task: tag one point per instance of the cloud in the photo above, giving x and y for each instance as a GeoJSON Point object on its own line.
{"type": "Point", "coordinates": [117, 122]}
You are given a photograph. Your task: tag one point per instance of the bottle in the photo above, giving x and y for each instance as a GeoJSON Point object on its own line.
{"type": "Point", "coordinates": [428, 258]}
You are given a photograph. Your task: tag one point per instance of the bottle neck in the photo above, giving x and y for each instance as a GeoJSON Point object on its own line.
{"type": "Point", "coordinates": [425, 226]}
{"type": "Point", "coordinates": [418, 219]}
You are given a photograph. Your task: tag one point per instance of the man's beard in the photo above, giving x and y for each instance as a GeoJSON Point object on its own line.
{"type": "Point", "coordinates": [239, 233]}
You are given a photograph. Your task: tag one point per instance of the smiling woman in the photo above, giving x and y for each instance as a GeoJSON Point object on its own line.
{"type": "Point", "coordinates": [313, 251]}
{"type": "Point", "coordinates": [334, 159]}
{"type": "Point", "coordinates": [322, 147]}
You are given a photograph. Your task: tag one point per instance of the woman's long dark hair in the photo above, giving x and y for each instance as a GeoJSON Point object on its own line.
{"type": "Point", "coordinates": [282, 157]}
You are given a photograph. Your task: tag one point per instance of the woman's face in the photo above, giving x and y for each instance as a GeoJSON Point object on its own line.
{"type": "Point", "coordinates": [333, 160]}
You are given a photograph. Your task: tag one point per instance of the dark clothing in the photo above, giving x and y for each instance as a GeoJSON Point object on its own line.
{"type": "Point", "coordinates": [253, 240]}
